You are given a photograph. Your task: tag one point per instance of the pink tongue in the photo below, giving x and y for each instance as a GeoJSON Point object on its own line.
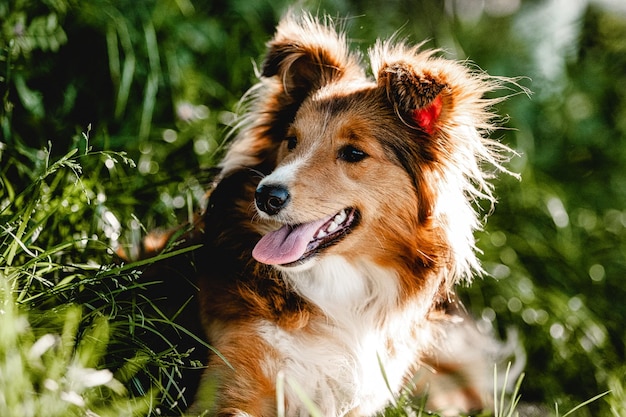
{"type": "Point", "coordinates": [286, 244]}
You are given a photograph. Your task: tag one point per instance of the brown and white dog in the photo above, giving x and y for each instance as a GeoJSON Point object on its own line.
{"type": "Point", "coordinates": [341, 220]}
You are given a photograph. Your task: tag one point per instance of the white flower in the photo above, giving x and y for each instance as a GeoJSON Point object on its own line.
{"type": "Point", "coordinates": [73, 397]}
{"type": "Point", "coordinates": [41, 346]}
{"type": "Point", "coordinates": [89, 377]}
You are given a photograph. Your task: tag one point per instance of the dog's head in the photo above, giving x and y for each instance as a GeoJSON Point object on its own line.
{"type": "Point", "coordinates": [386, 167]}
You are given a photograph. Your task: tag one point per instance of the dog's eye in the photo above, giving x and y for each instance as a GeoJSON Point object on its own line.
{"type": "Point", "coordinates": [292, 141]}
{"type": "Point", "coordinates": [350, 153]}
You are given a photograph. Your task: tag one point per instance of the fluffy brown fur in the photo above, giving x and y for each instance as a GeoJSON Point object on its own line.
{"type": "Point", "coordinates": [341, 220]}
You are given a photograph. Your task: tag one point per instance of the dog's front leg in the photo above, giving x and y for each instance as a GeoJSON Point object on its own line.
{"type": "Point", "coordinates": [240, 383]}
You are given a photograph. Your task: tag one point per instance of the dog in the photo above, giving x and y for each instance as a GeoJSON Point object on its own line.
{"type": "Point", "coordinates": [342, 217]}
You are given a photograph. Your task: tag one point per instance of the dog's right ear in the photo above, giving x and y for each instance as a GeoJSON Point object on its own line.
{"type": "Point", "coordinates": [306, 54]}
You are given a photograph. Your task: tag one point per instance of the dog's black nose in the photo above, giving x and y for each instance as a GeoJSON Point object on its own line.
{"type": "Point", "coordinates": [271, 198]}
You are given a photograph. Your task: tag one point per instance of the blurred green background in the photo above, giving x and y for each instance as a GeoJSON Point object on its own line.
{"type": "Point", "coordinates": [161, 79]}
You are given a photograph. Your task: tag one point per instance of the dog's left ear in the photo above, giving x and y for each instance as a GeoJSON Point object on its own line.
{"type": "Point", "coordinates": [418, 96]}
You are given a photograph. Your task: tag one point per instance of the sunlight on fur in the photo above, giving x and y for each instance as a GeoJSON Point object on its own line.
{"type": "Point", "coordinates": [343, 216]}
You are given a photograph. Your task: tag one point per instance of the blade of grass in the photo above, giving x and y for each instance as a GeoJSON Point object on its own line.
{"type": "Point", "coordinates": [308, 403]}
{"type": "Point", "coordinates": [583, 404]}
{"type": "Point", "coordinates": [17, 242]}
{"type": "Point", "coordinates": [280, 394]}
{"type": "Point", "coordinates": [148, 261]}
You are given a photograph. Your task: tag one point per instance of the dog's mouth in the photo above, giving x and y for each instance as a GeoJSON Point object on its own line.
{"type": "Point", "coordinates": [293, 244]}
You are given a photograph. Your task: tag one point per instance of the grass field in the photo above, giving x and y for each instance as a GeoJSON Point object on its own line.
{"type": "Point", "coordinates": [113, 113]}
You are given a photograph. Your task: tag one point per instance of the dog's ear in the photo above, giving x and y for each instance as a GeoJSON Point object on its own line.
{"type": "Point", "coordinates": [306, 54]}
{"type": "Point", "coordinates": [418, 96]}
{"type": "Point", "coordinates": [436, 95]}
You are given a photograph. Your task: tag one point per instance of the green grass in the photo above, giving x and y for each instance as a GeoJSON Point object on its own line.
{"type": "Point", "coordinates": [151, 79]}
{"type": "Point", "coordinates": [52, 348]}
{"type": "Point", "coordinates": [66, 315]}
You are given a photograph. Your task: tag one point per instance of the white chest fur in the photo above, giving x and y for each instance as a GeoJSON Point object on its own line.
{"type": "Point", "coordinates": [351, 359]}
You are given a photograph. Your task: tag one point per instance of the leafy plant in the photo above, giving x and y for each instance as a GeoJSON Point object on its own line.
{"type": "Point", "coordinates": [56, 373]}
{"type": "Point", "coordinates": [76, 325]}
{"type": "Point", "coordinates": [158, 81]}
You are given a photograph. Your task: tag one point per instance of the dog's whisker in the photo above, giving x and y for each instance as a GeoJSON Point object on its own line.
{"type": "Point", "coordinates": [260, 174]}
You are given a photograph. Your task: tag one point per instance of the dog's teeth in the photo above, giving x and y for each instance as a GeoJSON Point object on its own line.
{"type": "Point", "coordinates": [341, 217]}
{"type": "Point", "coordinates": [332, 227]}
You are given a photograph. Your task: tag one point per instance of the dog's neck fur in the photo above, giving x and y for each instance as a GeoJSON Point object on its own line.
{"type": "Point", "coordinates": [340, 288]}
{"type": "Point", "coordinates": [348, 290]}
{"type": "Point", "coordinates": [363, 314]}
